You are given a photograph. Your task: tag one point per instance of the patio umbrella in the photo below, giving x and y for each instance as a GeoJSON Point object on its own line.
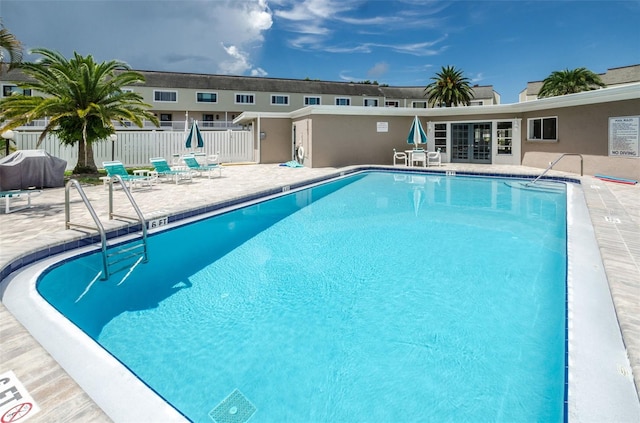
{"type": "Point", "coordinates": [195, 132]}
{"type": "Point", "coordinates": [416, 133]}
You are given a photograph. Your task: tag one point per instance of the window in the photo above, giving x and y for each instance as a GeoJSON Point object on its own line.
{"type": "Point", "coordinates": [419, 104]}
{"type": "Point", "coordinates": [312, 101]}
{"type": "Point", "coordinates": [343, 101]}
{"type": "Point", "coordinates": [207, 120]}
{"type": "Point", "coordinates": [505, 138]}
{"type": "Point", "coordinates": [8, 90]}
{"type": "Point", "coordinates": [207, 97]}
{"type": "Point", "coordinates": [542, 129]}
{"type": "Point", "coordinates": [392, 103]}
{"type": "Point", "coordinates": [245, 99]}
{"type": "Point", "coordinates": [281, 100]}
{"type": "Point", "coordinates": [440, 137]}
{"type": "Point", "coordinates": [371, 102]}
{"type": "Point", "coordinates": [476, 103]}
{"type": "Point", "coordinates": [165, 96]}
{"type": "Point", "coordinates": [166, 119]}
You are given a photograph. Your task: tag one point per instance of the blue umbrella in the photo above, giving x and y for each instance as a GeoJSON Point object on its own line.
{"type": "Point", "coordinates": [416, 134]}
{"type": "Point", "coordinates": [195, 131]}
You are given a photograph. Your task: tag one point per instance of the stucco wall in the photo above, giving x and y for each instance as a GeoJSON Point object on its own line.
{"type": "Point", "coordinates": [276, 146]}
{"type": "Point", "coordinates": [583, 130]}
{"type": "Point", "coordinates": [349, 140]}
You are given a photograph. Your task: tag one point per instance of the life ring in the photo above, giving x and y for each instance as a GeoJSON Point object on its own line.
{"type": "Point", "coordinates": [301, 152]}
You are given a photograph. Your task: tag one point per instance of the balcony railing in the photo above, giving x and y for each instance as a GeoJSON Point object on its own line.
{"type": "Point", "coordinates": [173, 125]}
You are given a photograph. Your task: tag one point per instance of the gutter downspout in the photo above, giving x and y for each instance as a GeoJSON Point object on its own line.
{"type": "Point", "coordinates": [259, 139]}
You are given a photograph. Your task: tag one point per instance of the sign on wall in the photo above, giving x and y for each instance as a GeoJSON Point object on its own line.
{"type": "Point", "coordinates": [624, 136]}
{"type": "Point", "coordinates": [382, 126]}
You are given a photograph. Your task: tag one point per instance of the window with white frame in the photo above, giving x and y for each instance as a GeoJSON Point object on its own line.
{"type": "Point", "coordinates": [542, 129]}
{"type": "Point", "coordinates": [207, 97]}
{"type": "Point", "coordinates": [440, 137]}
{"type": "Point", "coordinates": [242, 98]}
{"type": "Point", "coordinates": [343, 101]}
{"type": "Point", "coordinates": [505, 138]}
{"type": "Point", "coordinates": [419, 104]}
{"type": "Point", "coordinates": [8, 90]}
{"type": "Point", "coordinates": [280, 100]}
{"type": "Point", "coordinates": [312, 101]}
{"type": "Point", "coordinates": [165, 96]}
{"type": "Point", "coordinates": [392, 103]}
{"type": "Point", "coordinates": [476, 103]}
{"type": "Point", "coordinates": [371, 102]}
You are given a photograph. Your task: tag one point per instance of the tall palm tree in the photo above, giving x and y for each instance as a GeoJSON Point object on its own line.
{"type": "Point", "coordinates": [569, 82]}
{"type": "Point", "coordinates": [449, 87]}
{"type": "Point", "coordinates": [80, 97]}
{"type": "Point", "coordinates": [9, 45]}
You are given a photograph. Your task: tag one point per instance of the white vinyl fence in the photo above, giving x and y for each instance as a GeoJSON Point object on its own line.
{"type": "Point", "coordinates": [135, 148]}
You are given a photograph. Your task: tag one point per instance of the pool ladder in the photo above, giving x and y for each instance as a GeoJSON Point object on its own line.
{"type": "Point", "coordinates": [556, 161]}
{"type": "Point", "coordinates": [111, 257]}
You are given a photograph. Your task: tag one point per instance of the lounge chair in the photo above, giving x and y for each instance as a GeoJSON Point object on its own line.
{"type": "Point", "coordinates": [117, 168]}
{"type": "Point", "coordinates": [165, 171]}
{"type": "Point", "coordinates": [399, 155]}
{"type": "Point", "coordinates": [199, 169]}
{"type": "Point", "coordinates": [15, 194]}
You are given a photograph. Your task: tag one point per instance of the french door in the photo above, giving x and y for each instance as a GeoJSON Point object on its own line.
{"type": "Point", "coordinates": [471, 142]}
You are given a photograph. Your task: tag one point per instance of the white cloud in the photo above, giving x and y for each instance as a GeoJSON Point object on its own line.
{"type": "Point", "coordinates": [378, 70]}
{"type": "Point", "coordinates": [184, 36]}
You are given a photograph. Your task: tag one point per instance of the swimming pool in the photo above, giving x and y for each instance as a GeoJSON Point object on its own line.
{"type": "Point", "coordinates": [418, 204]}
{"type": "Point", "coordinates": [372, 297]}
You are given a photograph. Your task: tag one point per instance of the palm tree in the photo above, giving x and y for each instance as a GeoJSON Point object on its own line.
{"type": "Point", "coordinates": [80, 97]}
{"type": "Point", "coordinates": [449, 87]}
{"type": "Point", "coordinates": [10, 45]}
{"type": "Point", "coordinates": [569, 82]}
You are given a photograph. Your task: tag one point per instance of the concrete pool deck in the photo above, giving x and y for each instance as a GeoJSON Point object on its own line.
{"type": "Point", "coordinates": [614, 210]}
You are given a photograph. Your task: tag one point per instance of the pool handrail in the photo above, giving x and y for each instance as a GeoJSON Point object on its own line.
{"type": "Point", "coordinates": [94, 216]}
{"type": "Point", "coordinates": [556, 161]}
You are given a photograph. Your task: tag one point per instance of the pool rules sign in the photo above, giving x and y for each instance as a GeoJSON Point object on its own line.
{"type": "Point", "coordinates": [624, 136]}
{"type": "Point", "coordinates": [16, 405]}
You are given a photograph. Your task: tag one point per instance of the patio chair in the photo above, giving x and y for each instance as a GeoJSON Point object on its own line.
{"type": "Point", "coordinates": [117, 168]}
{"type": "Point", "coordinates": [434, 157]}
{"type": "Point", "coordinates": [165, 171]}
{"type": "Point", "coordinates": [419, 156]}
{"type": "Point", "coordinates": [16, 194]}
{"type": "Point", "coordinates": [399, 155]}
{"type": "Point", "coordinates": [199, 169]}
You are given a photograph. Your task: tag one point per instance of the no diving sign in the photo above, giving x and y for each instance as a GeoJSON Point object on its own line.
{"type": "Point", "coordinates": [16, 405]}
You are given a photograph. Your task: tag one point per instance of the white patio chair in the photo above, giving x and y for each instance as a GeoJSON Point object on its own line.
{"type": "Point", "coordinates": [418, 157]}
{"type": "Point", "coordinates": [399, 155]}
{"type": "Point", "coordinates": [434, 158]}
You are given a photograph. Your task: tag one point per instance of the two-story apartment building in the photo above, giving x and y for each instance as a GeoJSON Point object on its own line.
{"type": "Point", "coordinates": [216, 100]}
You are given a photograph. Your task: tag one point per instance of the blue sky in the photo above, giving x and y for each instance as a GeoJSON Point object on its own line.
{"type": "Point", "coordinates": [397, 42]}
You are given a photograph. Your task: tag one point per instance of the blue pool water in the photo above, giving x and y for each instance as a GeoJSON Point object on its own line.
{"type": "Point", "coordinates": [379, 297]}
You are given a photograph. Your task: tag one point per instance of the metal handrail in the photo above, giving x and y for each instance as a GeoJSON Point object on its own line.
{"type": "Point", "coordinates": [94, 216]}
{"type": "Point", "coordinates": [556, 161]}
{"type": "Point", "coordinates": [140, 218]}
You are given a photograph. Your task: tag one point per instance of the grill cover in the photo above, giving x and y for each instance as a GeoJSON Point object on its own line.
{"type": "Point", "coordinates": [31, 168]}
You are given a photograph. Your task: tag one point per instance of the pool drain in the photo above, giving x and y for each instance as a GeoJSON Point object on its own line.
{"type": "Point", "coordinates": [235, 408]}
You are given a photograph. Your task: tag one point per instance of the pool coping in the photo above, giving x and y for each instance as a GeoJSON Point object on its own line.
{"type": "Point", "coordinates": [574, 413]}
